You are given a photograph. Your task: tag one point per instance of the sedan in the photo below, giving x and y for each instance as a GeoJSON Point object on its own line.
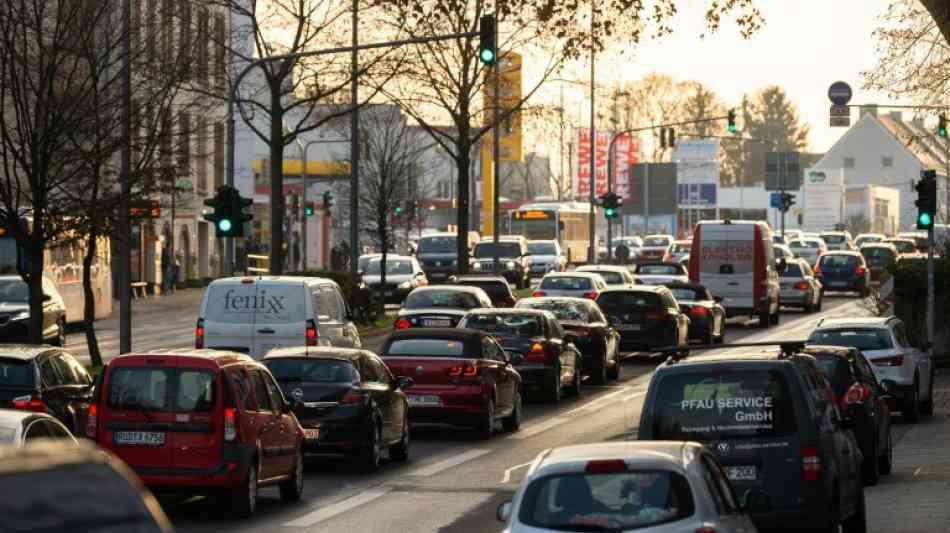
{"type": "Point", "coordinates": [551, 364]}
{"type": "Point", "coordinates": [660, 273]}
{"type": "Point", "coordinates": [863, 401]}
{"type": "Point", "coordinates": [346, 400]}
{"type": "Point", "coordinates": [20, 428]}
{"type": "Point", "coordinates": [596, 339]}
{"type": "Point", "coordinates": [439, 306]}
{"type": "Point", "coordinates": [15, 312]}
{"type": "Point", "coordinates": [646, 316]}
{"type": "Point", "coordinates": [798, 286]}
{"type": "Point", "coordinates": [403, 274]}
{"type": "Point", "coordinates": [461, 377]}
{"type": "Point", "coordinates": [617, 277]}
{"type": "Point", "coordinates": [574, 284]}
{"type": "Point", "coordinates": [707, 316]}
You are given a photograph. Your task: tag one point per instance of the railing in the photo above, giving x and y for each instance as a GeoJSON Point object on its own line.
{"type": "Point", "coordinates": [258, 264]}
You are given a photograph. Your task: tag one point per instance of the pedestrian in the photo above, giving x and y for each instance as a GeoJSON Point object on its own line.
{"type": "Point", "coordinates": [166, 268]}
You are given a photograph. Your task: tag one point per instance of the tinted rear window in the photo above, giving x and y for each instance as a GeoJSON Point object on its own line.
{"type": "Point", "coordinates": [447, 299]}
{"type": "Point", "coordinates": [16, 373]}
{"type": "Point", "coordinates": [688, 294]}
{"type": "Point", "coordinates": [426, 348]}
{"type": "Point", "coordinates": [307, 370]}
{"type": "Point", "coordinates": [805, 244]}
{"type": "Point", "coordinates": [437, 245]}
{"type": "Point", "coordinates": [627, 302]}
{"type": "Point", "coordinates": [161, 389]}
{"type": "Point", "coordinates": [613, 278]}
{"type": "Point", "coordinates": [661, 270]}
{"type": "Point", "coordinates": [719, 405]}
{"type": "Point", "coordinates": [494, 289]}
{"type": "Point", "coordinates": [656, 241]}
{"type": "Point", "coordinates": [523, 325]}
{"type": "Point", "coordinates": [565, 283]}
{"type": "Point", "coordinates": [838, 261]}
{"type": "Point", "coordinates": [488, 249]}
{"type": "Point", "coordinates": [862, 339]}
{"type": "Point", "coordinates": [878, 256]}
{"type": "Point", "coordinates": [252, 303]}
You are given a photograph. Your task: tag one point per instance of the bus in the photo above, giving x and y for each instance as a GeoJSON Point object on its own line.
{"type": "Point", "coordinates": [63, 266]}
{"type": "Point", "coordinates": [567, 222]}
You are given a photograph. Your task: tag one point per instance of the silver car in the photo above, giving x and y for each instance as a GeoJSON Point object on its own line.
{"type": "Point", "coordinates": [545, 256]}
{"type": "Point", "coordinates": [838, 240]}
{"type": "Point", "coordinates": [798, 286]}
{"type": "Point", "coordinates": [809, 249]}
{"type": "Point", "coordinates": [647, 486]}
{"type": "Point", "coordinates": [574, 284]}
{"type": "Point", "coordinates": [616, 276]}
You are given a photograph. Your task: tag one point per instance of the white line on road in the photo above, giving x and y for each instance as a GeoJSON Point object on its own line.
{"type": "Point", "coordinates": [634, 395]}
{"type": "Point", "coordinates": [445, 464]}
{"type": "Point", "coordinates": [540, 427]}
{"type": "Point", "coordinates": [595, 403]}
{"type": "Point", "coordinates": [329, 512]}
{"type": "Point", "coordinates": [507, 476]}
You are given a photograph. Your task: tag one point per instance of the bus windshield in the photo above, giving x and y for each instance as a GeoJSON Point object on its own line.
{"type": "Point", "coordinates": [535, 228]}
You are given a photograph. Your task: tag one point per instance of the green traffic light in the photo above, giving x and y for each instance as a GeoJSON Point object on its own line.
{"type": "Point", "coordinates": [398, 210]}
{"type": "Point", "coordinates": [924, 219]}
{"type": "Point", "coordinates": [609, 212]}
{"type": "Point", "coordinates": [942, 132]}
{"type": "Point", "coordinates": [224, 225]}
{"type": "Point", "coordinates": [732, 128]}
{"type": "Point", "coordinates": [308, 211]}
{"type": "Point", "coordinates": [487, 56]}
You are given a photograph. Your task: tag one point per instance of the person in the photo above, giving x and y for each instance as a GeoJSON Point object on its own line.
{"type": "Point", "coordinates": [166, 268]}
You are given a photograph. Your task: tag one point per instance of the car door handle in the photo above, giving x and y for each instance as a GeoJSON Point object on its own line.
{"type": "Point", "coordinates": [266, 331]}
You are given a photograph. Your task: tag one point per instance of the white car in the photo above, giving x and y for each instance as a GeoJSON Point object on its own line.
{"type": "Point", "coordinates": [545, 256]}
{"type": "Point", "coordinates": [868, 238]}
{"type": "Point", "coordinates": [643, 486]}
{"type": "Point", "coordinates": [617, 277]}
{"type": "Point", "coordinates": [809, 249]}
{"type": "Point", "coordinates": [655, 247]}
{"type": "Point", "coordinates": [575, 284]}
{"type": "Point", "coordinates": [677, 251]}
{"type": "Point", "coordinates": [838, 240]}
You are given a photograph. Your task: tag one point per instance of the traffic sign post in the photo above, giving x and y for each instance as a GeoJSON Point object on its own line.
{"type": "Point", "coordinates": [840, 94]}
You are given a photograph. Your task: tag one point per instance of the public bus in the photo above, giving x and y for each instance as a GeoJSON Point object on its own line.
{"type": "Point", "coordinates": [567, 222]}
{"type": "Point", "coordinates": [63, 266]}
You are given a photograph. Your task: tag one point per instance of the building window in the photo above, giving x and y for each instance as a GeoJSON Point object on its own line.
{"type": "Point", "coordinates": [849, 162]}
{"type": "Point", "coordinates": [887, 162]}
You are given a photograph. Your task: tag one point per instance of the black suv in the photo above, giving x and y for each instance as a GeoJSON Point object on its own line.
{"type": "Point", "coordinates": [512, 259]}
{"type": "Point", "coordinates": [771, 421]}
{"type": "Point", "coordinates": [46, 380]}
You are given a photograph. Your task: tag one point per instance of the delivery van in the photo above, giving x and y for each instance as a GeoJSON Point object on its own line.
{"type": "Point", "coordinates": [735, 261]}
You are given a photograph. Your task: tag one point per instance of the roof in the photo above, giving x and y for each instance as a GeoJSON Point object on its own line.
{"type": "Point", "coordinates": [219, 357]}
{"type": "Point", "coordinates": [684, 285]}
{"type": "Point", "coordinates": [821, 349]}
{"type": "Point", "coordinates": [289, 279]}
{"type": "Point", "coordinates": [438, 333]}
{"type": "Point", "coordinates": [842, 252]}
{"type": "Point", "coordinates": [541, 240]}
{"type": "Point", "coordinates": [602, 268]}
{"type": "Point", "coordinates": [14, 417]}
{"type": "Point", "coordinates": [727, 356]}
{"type": "Point", "coordinates": [440, 234]}
{"type": "Point", "coordinates": [24, 351]}
{"type": "Point", "coordinates": [654, 263]}
{"type": "Point", "coordinates": [390, 256]}
{"type": "Point", "coordinates": [479, 277]}
{"type": "Point", "coordinates": [456, 288]}
{"type": "Point", "coordinates": [572, 299]}
{"type": "Point", "coordinates": [316, 352]}
{"type": "Point", "coordinates": [869, 322]}
{"type": "Point", "coordinates": [574, 274]}
{"type": "Point", "coordinates": [509, 311]}
{"type": "Point", "coordinates": [635, 288]}
{"type": "Point", "coordinates": [639, 454]}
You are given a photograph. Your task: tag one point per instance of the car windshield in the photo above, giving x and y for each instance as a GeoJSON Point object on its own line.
{"type": "Point", "coordinates": [656, 241]}
{"type": "Point", "coordinates": [562, 309]}
{"type": "Point", "coordinates": [614, 501]}
{"type": "Point", "coordinates": [566, 283]}
{"type": "Point", "coordinates": [838, 261]}
{"type": "Point", "coordinates": [437, 245]}
{"type": "Point", "coordinates": [861, 338]}
{"type": "Point", "coordinates": [494, 289]}
{"type": "Point", "coordinates": [393, 266]}
{"type": "Point", "coordinates": [681, 293]}
{"type": "Point", "coordinates": [446, 298]}
{"type": "Point", "coordinates": [662, 270]}
{"type": "Point", "coordinates": [485, 250]}
{"type": "Point", "coordinates": [612, 278]}
{"type": "Point", "coordinates": [833, 238]}
{"type": "Point", "coordinates": [805, 244]}
{"type": "Point", "coordinates": [521, 325]}
{"type": "Point", "coordinates": [161, 389]}
{"type": "Point", "coordinates": [792, 270]}
{"type": "Point", "coordinates": [309, 370]}
{"type": "Point", "coordinates": [425, 348]}
{"type": "Point", "coordinates": [16, 374]}
{"type": "Point", "coordinates": [542, 248]}
{"type": "Point", "coordinates": [717, 405]}
{"type": "Point", "coordinates": [620, 302]}
{"type": "Point", "coordinates": [14, 290]}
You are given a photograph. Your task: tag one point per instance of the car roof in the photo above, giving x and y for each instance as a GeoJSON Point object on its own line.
{"type": "Point", "coordinates": [657, 263]}
{"type": "Point", "coordinates": [480, 277]}
{"type": "Point", "coordinates": [886, 245]}
{"type": "Point", "coordinates": [441, 234]}
{"type": "Point", "coordinates": [835, 232]}
{"type": "Point", "coordinates": [456, 288]}
{"type": "Point", "coordinates": [684, 285]}
{"type": "Point", "coordinates": [239, 280]}
{"type": "Point", "coordinates": [824, 349]}
{"type": "Point", "coordinates": [541, 240]}
{"type": "Point", "coordinates": [572, 299]}
{"type": "Point", "coordinates": [458, 334]}
{"type": "Point", "coordinates": [216, 357]}
{"type": "Point", "coordinates": [316, 352]}
{"type": "Point", "coordinates": [635, 288]}
{"type": "Point", "coordinates": [753, 354]}
{"type": "Point", "coordinates": [843, 252]}
{"type": "Point", "coordinates": [866, 322]}
{"type": "Point", "coordinates": [508, 311]}
{"type": "Point", "coordinates": [665, 455]}
{"type": "Point", "coordinates": [604, 268]}
{"type": "Point", "coordinates": [574, 274]}
{"type": "Point", "coordinates": [391, 256]}
{"type": "Point", "coordinates": [25, 351]}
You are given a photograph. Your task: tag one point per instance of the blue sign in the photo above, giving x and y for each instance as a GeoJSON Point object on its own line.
{"type": "Point", "coordinates": [697, 195]}
{"type": "Point", "coordinates": [840, 93]}
{"type": "Point", "coordinates": [775, 200]}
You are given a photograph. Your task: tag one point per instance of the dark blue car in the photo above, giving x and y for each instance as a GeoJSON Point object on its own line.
{"type": "Point", "coordinates": [844, 271]}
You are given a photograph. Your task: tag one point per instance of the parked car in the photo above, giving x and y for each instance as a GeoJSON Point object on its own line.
{"type": "Point", "coordinates": [513, 262]}
{"type": "Point", "coordinates": [20, 428]}
{"type": "Point", "coordinates": [616, 276]}
{"type": "Point", "coordinates": [439, 306]}
{"type": "Point", "coordinates": [844, 271]}
{"type": "Point", "coordinates": [596, 339]}
{"type": "Point", "coordinates": [707, 316]}
{"type": "Point", "coordinates": [46, 380]}
{"type": "Point", "coordinates": [59, 486]}
{"type": "Point", "coordinates": [655, 247]}
{"type": "Point", "coordinates": [646, 317]}
{"type": "Point", "coordinates": [898, 360]}
{"type": "Point", "coordinates": [904, 246]}
{"type": "Point", "coordinates": [838, 240]}
{"type": "Point", "coordinates": [201, 421]}
{"type": "Point", "coordinates": [438, 254]}
{"type": "Point", "coordinates": [879, 257]}
{"type": "Point", "coordinates": [403, 274]}
{"type": "Point", "coordinates": [575, 284]}
{"type": "Point", "coordinates": [869, 238]}
{"type": "Point", "coordinates": [347, 402]}
{"type": "Point", "coordinates": [255, 315]}
{"type": "Point", "coordinates": [461, 377]}
{"type": "Point", "coordinates": [808, 249]}
{"type": "Point", "coordinates": [771, 421]}
{"type": "Point", "coordinates": [545, 256]}
{"type": "Point", "coordinates": [551, 361]}
{"type": "Point", "coordinates": [660, 273]}
{"type": "Point", "coordinates": [799, 286]}
{"type": "Point", "coordinates": [863, 400]}
{"type": "Point", "coordinates": [497, 288]}
{"type": "Point", "coordinates": [627, 486]}
{"type": "Point", "coordinates": [15, 312]}
{"type": "Point", "coordinates": [677, 251]}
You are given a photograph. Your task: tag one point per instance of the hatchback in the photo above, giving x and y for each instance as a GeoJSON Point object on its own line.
{"type": "Point", "coordinates": [616, 277]}
{"type": "Point", "coordinates": [868, 238]}
{"type": "Point", "coordinates": [799, 287]}
{"type": "Point", "coordinates": [879, 257]}
{"type": "Point", "coordinates": [203, 421]}
{"type": "Point", "coordinates": [45, 380]}
{"type": "Point", "coordinates": [439, 306]}
{"type": "Point", "coordinates": [646, 317]}
{"type": "Point", "coordinates": [403, 274]}
{"type": "Point", "coordinates": [844, 271]}
{"type": "Point", "coordinates": [15, 312]}
{"type": "Point", "coordinates": [575, 284]}
{"type": "Point", "coordinates": [19, 428]}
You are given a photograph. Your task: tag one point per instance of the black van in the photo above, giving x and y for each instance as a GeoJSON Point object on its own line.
{"type": "Point", "coordinates": [770, 420]}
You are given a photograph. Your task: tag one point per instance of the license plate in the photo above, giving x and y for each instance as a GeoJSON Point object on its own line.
{"type": "Point", "coordinates": [437, 323]}
{"type": "Point", "coordinates": [424, 400]}
{"type": "Point", "coordinates": [311, 433]}
{"type": "Point", "coordinates": [838, 283]}
{"type": "Point", "coordinates": [629, 327]}
{"type": "Point", "coordinates": [390, 293]}
{"type": "Point", "coordinates": [139, 438]}
{"type": "Point", "coordinates": [741, 473]}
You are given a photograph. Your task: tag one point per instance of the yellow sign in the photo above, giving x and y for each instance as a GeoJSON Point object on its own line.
{"type": "Point", "coordinates": [509, 96]}
{"type": "Point", "coordinates": [532, 215]}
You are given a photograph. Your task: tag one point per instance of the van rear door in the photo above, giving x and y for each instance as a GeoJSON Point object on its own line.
{"type": "Point", "coordinates": [281, 315]}
{"type": "Point", "coordinates": [228, 312]}
{"type": "Point", "coordinates": [723, 259]}
{"type": "Point", "coordinates": [197, 433]}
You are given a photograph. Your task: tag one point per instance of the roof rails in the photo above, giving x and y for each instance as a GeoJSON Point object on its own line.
{"type": "Point", "coordinates": [678, 353]}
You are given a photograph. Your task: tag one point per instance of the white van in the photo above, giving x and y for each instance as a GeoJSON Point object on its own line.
{"type": "Point", "coordinates": [254, 315]}
{"type": "Point", "coordinates": [735, 261]}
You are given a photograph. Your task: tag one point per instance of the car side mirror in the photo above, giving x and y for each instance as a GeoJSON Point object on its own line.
{"type": "Point", "coordinates": [755, 502]}
{"type": "Point", "coordinates": [404, 382]}
{"type": "Point", "coordinates": [504, 511]}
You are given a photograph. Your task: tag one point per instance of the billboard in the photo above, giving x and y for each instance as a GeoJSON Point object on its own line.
{"type": "Point", "coordinates": [823, 191]}
{"type": "Point", "coordinates": [662, 189]}
{"type": "Point", "coordinates": [626, 152]}
{"type": "Point", "coordinates": [697, 171]}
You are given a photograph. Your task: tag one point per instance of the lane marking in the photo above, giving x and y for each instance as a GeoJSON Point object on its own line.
{"type": "Point", "coordinates": [540, 427]}
{"type": "Point", "coordinates": [593, 403]}
{"type": "Point", "coordinates": [507, 477]}
{"type": "Point", "coordinates": [634, 395]}
{"type": "Point", "coordinates": [445, 464]}
{"type": "Point", "coordinates": [341, 507]}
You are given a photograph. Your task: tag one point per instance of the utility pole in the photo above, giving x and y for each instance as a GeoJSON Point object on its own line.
{"type": "Point", "coordinates": [355, 145]}
{"type": "Point", "coordinates": [496, 153]}
{"type": "Point", "coordinates": [125, 190]}
{"type": "Point", "coordinates": [592, 217]}
{"type": "Point", "coordinates": [560, 149]}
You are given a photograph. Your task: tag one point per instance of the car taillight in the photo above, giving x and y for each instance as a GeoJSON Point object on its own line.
{"type": "Point", "coordinates": [538, 294]}
{"type": "Point", "coordinates": [698, 311]}
{"type": "Point", "coordinates": [200, 334]}
{"type": "Point", "coordinates": [92, 421]}
{"type": "Point", "coordinates": [706, 529]}
{"type": "Point", "coordinates": [463, 371]}
{"type": "Point", "coordinates": [30, 403]}
{"type": "Point", "coordinates": [537, 354]}
{"type": "Point", "coordinates": [860, 271]}
{"type": "Point", "coordinates": [897, 360]}
{"type": "Point", "coordinates": [230, 424]}
{"type": "Point", "coordinates": [402, 323]}
{"type": "Point", "coordinates": [312, 334]}
{"type": "Point", "coordinates": [606, 466]}
{"type": "Point", "coordinates": [353, 397]}
{"type": "Point", "coordinates": [592, 295]}
{"type": "Point", "coordinates": [802, 285]}
{"type": "Point", "coordinates": [811, 463]}
{"type": "Point", "coordinates": [856, 395]}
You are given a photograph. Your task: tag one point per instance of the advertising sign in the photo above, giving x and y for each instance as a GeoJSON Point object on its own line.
{"type": "Point", "coordinates": [697, 171]}
{"type": "Point", "coordinates": [824, 198]}
{"type": "Point", "coordinates": [626, 153]}
{"type": "Point", "coordinates": [662, 189]}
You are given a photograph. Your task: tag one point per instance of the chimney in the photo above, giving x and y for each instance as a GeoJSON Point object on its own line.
{"type": "Point", "coordinates": [868, 110]}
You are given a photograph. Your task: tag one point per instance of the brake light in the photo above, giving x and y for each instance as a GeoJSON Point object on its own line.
{"type": "Point", "coordinates": [811, 463]}
{"type": "Point", "coordinates": [537, 354]}
{"type": "Point", "coordinates": [856, 395]}
{"type": "Point", "coordinates": [698, 311]}
{"type": "Point", "coordinates": [402, 323]}
{"type": "Point", "coordinates": [92, 421]}
{"type": "Point", "coordinates": [312, 333]}
{"type": "Point", "coordinates": [30, 403]}
{"type": "Point", "coordinates": [860, 271]}
{"type": "Point", "coordinates": [230, 424]}
{"type": "Point", "coordinates": [538, 294]}
{"type": "Point", "coordinates": [606, 466]}
{"type": "Point", "coordinates": [353, 397]}
{"type": "Point", "coordinates": [592, 295]}
{"type": "Point", "coordinates": [200, 334]}
{"type": "Point", "coordinates": [897, 360]}
{"type": "Point", "coordinates": [802, 285]}
{"type": "Point", "coordinates": [466, 371]}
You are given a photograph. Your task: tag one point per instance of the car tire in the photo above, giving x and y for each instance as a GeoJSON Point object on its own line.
{"type": "Point", "coordinates": [244, 497]}
{"type": "Point", "coordinates": [598, 374]}
{"type": "Point", "coordinates": [486, 426]}
{"type": "Point", "coordinates": [911, 404]}
{"type": "Point", "coordinates": [808, 307]}
{"type": "Point", "coordinates": [512, 422]}
{"type": "Point", "coordinates": [399, 452]}
{"type": "Point", "coordinates": [886, 460]}
{"type": "Point", "coordinates": [871, 468]}
{"type": "Point", "coordinates": [858, 522]}
{"type": "Point", "coordinates": [576, 382]}
{"type": "Point", "coordinates": [553, 390]}
{"type": "Point", "coordinates": [60, 340]}
{"type": "Point", "coordinates": [774, 318]}
{"type": "Point", "coordinates": [613, 374]}
{"type": "Point", "coordinates": [292, 489]}
{"type": "Point", "coordinates": [369, 456]}
{"type": "Point", "coordinates": [927, 405]}
{"type": "Point", "coordinates": [765, 319]}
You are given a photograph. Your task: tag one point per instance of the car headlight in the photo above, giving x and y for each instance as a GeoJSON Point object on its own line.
{"type": "Point", "coordinates": [510, 264]}
{"type": "Point", "coordinates": [405, 285]}
{"type": "Point", "coordinates": [22, 315]}
{"type": "Point", "coordinates": [477, 266]}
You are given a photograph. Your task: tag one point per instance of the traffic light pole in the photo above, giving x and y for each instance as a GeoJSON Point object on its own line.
{"type": "Point", "coordinates": [496, 156]}
{"type": "Point", "coordinates": [931, 298]}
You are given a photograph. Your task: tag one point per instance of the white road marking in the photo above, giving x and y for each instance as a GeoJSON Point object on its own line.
{"type": "Point", "coordinates": [595, 403]}
{"type": "Point", "coordinates": [634, 395]}
{"type": "Point", "coordinates": [507, 477]}
{"type": "Point", "coordinates": [445, 464]}
{"type": "Point", "coordinates": [326, 513]}
{"type": "Point", "coordinates": [540, 427]}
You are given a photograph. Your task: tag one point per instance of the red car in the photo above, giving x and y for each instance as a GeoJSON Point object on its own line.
{"type": "Point", "coordinates": [460, 377]}
{"type": "Point", "coordinates": [199, 420]}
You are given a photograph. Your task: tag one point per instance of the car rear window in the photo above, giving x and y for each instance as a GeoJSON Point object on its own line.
{"type": "Point", "coordinates": [661, 270]}
{"type": "Point", "coordinates": [805, 244]}
{"type": "Point", "coordinates": [627, 302]}
{"type": "Point", "coordinates": [719, 404]}
{"type": "Point", "coordinates": [562, 309]}
{"type": "Point", "coordinates": [838, 261]}
{"type": "Point", "coordinates": [565, 283]}
{"type": "Point", "coordinates": [904, 247]}
{"type": "Point", "coordinates": [613, 278]}
{"type": "Point", "coordinates": [619, 501]}
{"type": "Point", "coordinates": [682, 293]}
{"type": "Point", "coordinates": [860, 338]}
{"type": "Point", "coordinates": [656, 241]}
{"type": "Point", "coordinates": [425, 348]}
{"type": "Point", "coordinates": [524, 325]}
{"type": "Point", "coordinates": [161, 389]}
{"type": "Point", "coordinates": [17, 373]}
{"type": "Point", "coordinates": [447, 299]}
{"type": "Point", "coordinates": [308, 370]}
{"type": "Point", "coordinates": [253, 303]}
{"type": "Point", "coordinates": [494, 289]}
{"type": "Point", "coordinates": [832, 238]}
{"type": "Point", "coordinates": [792, 270]}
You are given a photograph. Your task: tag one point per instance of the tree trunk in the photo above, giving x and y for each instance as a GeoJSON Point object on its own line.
{"type": "Point", "coordinates": [464, 145]}
{"type": "Point", "coordinates": [35, 283]}
{"type": "Point", "coordinates": [89, 300]}
{"type": "Point", "coordinates": [276, 187]}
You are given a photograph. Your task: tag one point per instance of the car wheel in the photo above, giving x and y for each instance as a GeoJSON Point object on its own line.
{"type": "Point", "coordinates": [60, 340]}
{"type": "Point", "coordinates": [244, 497]}
{"type": "Point", "coordinates": [809, 307]}
{"type": "Point", "coordinates": [927, 406]}
{"type": "Point", "coordinates": [486, 426]}
{"type": "Point", "coordinates": [764, 319]}
{"type": "Point", "coordinates": [911, 407]}
{"type": "Point", "coordinates": [400, 451]}
{"type": "Point", "coordinates": [554, 388]}
{"type": "Point", "coordinates": [858, 522]}
{"type": "Point", "coordinates": [871, 471]}
{"type": "Point", "coordinates": [292, 489]}
{"type": "Point", "coordinates": [774, 318]}
{"type": "Point", "coordinates": [599, 372]}
{"type": "Point", "coordinates": [886, 459]}
{"type": "Point", "coordinates": [369, 457]}
{"type": "Point", "coordinates": [576, 382]}
{"type": "Point", "coordinates": [614, 373]}
{"type": "Point", "coordinates": [512, 422]}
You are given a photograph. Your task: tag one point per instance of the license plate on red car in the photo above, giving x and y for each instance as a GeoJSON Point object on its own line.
{"type": "Point", "coordinates": [139, 438]}
{"type": "Point", "coordinates": [419, 400]}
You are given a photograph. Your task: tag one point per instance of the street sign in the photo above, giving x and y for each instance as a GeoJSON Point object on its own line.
{"type": "Point", "coordinates": [840, 93]}
{"type": "Point", "coordinates": [775, 200]}
{"type": "Point", "coordinates": [840, 116]}
{"type": "Point", "coordinates": [662, 189]}
{"type": "Point", "coordinates": [782, 171]}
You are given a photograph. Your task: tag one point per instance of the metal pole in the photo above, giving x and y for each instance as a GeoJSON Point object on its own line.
{"type": "Point", "coordinates": [592, 217]}
{"type": "Point", "coordinates": [646, 199]}
{"type": "Point", "coordinates": [781, 186]}
{"type": "Point", "coordinates": [171, 242]}
{"type": "Point", "coordinates": [303, 219]}
{"type": "Point", "coordinates": [560, 149]}
{"type": "Point", "coordinates": [496, 155]}
{"type": "Point", "coordinates": [355, 145]}
{"type": "Point", "coordinates": [125, 192]}
{"type": "Point", "coordinates": [930, 285]}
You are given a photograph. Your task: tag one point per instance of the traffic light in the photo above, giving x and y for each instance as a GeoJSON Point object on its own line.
{"type": "Point", "coordinates": [327, 200]}
{"type": "Point", "coordinates": [308, 209]}
{"type": "Point", "coordinates": [487, 51]}
{"type": "Point", "coordinates": [671, 141]}
{"type": "Point", "coordinates": [398, 209]}
{"type": "Point", "coordinates": [732, 121]}
{"type": "Point", "coordinates": [926, 199]}
{"type": "Point", "coordinates": [786, 201]}
{"type": "Point", "coordinates": [228, 216]}
{"type": "Point", "coordinates": [942, 126]}
{"type": "Point", "coordinates": [611, 203]}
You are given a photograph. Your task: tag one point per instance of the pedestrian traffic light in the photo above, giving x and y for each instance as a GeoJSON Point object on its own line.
{"type": "Point", "coordinates": [732, 121]}
{"type": "Point", "coordinates": [228, 216]}
{"type": "Point", "coordinates": [327, 200]}
{"type": "Point", "coordinates": [308, 209]}
{"type": "Point", "coordinates": [926, 199]}
{"type": "Point", "coordinates": [487, 51]}
{"type": "Point", "coordinates": [942, 126]}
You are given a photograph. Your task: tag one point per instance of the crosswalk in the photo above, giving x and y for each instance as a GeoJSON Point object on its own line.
{"type": "Point", "coordinates": [172, 333]}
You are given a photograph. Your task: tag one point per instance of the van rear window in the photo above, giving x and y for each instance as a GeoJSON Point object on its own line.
{"type": "Point", "coordinates": [161, 389]}
{"type": "Point", "coordinates": [17, 373]}
{"type": "Point", "coordinates": [253, 303]}
{"type": "Point", "coordinates": [734, 404]}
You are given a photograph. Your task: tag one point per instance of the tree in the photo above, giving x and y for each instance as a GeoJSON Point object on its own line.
{"type": "Point", "coordinates": [701, 103]}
